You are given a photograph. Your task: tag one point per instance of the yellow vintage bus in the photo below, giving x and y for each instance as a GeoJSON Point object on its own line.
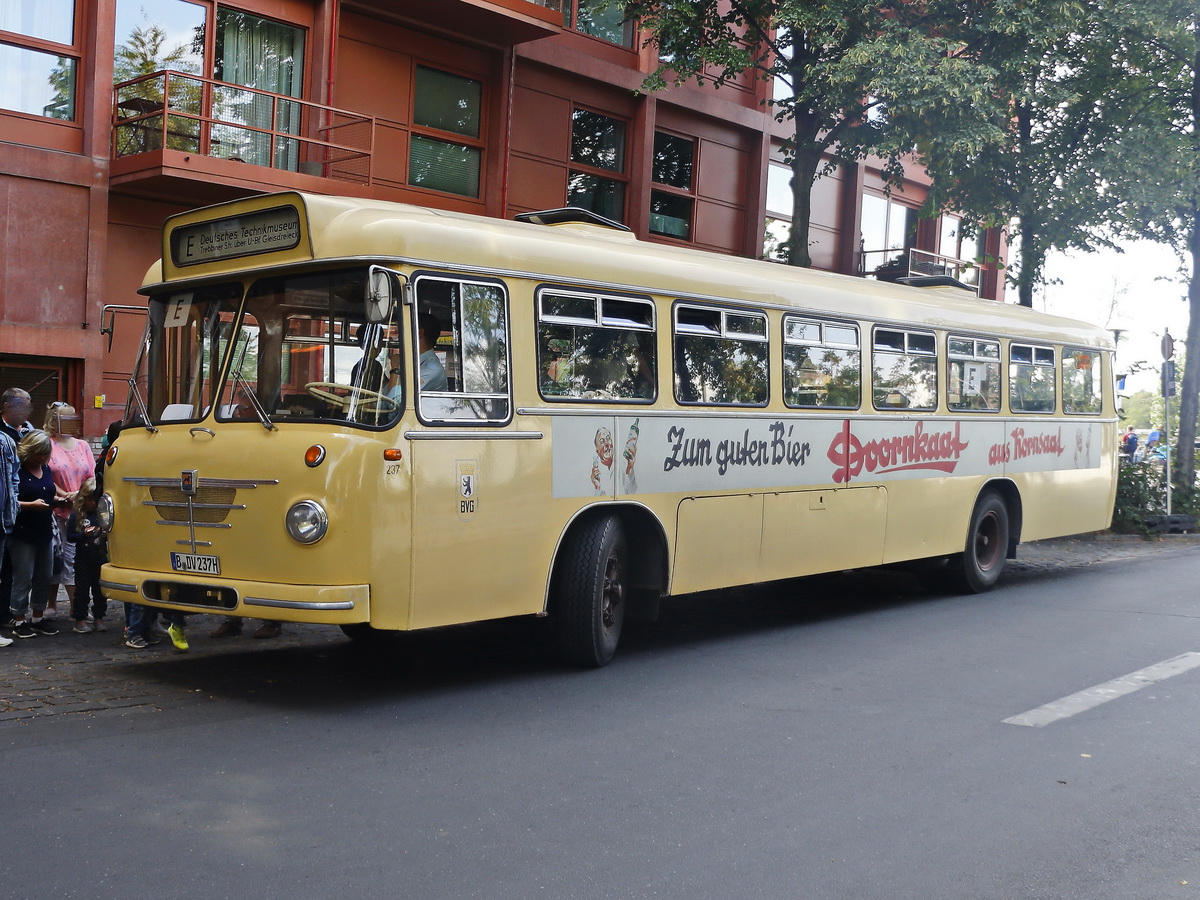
{"type": "Point", "coordinates": [384, 417]}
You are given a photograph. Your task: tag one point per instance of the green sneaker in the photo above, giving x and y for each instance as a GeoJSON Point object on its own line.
{"type": "Point", "coordinates": [178, 638]}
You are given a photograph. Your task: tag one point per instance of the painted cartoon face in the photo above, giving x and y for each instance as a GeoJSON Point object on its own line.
{"type": "Point", "coordinates": [604, 446]}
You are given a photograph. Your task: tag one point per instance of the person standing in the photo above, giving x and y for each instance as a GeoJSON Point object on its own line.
{"type": "Point", "coordinates": [10, 486]}
{"type": "Point", "coordinates": [91, 552]}
{"type": "Point", "coordinates": [71, 463]}
{"type": "Point", "coordinates": [15, 407]}
{"type": "Point", "coordinates": [31, 546]}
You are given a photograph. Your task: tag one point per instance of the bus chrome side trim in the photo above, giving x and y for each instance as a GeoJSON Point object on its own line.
{"type": "Point", "coordinates": [474, 435]}
{"type": "Point", "coordinates": [297, 604]}
{"type": "Point", "coordinates": [203, 482]}
{"type": "Point", "coordinates": [118, 586]}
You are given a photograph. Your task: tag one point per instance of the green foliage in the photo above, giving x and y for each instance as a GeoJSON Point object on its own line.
{"type": "Point", "coordinates": [855, 78]}
{"type": "Point", "coordinates": [1140, 493]}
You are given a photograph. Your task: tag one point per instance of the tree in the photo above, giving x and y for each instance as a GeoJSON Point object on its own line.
{"type": "Point", "coordinates": [855, 78]}
{"type": "Point", "coordinates": [1161, 191]}
{"type": "Point", "coordinates": [1070, 85]}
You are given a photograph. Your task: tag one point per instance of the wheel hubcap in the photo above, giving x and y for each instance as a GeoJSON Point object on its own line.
{"type": "Point", "coordinates": [613, 592]}
{"type": "Point", "coordinates": [987, 541]}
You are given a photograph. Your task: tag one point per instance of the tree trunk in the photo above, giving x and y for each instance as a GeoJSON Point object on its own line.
{"type": "Point", "coordinates": [805, 163]}
{"type": "Point", "coordinates": [1184, 458]}
{"type": "Point", "coordinates": [1026, 274]}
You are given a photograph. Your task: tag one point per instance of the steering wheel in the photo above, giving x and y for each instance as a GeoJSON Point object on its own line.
{"type": "Point", "coordinates": [375, 402]}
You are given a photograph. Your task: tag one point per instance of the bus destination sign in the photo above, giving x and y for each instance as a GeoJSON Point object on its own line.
{"type": "Point", "coordinates": [245, 235]}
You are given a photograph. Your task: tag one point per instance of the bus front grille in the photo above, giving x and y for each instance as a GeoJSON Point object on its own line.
{"type": "Point", "coordinates": [211, 505]}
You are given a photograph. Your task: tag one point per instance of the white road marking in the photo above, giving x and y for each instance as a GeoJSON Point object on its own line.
{"type": "Point", "coordinates": [1102, 693]}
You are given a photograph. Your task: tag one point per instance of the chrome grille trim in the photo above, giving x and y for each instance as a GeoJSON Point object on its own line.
{"type": "Point", "coordinates": [203, 482]}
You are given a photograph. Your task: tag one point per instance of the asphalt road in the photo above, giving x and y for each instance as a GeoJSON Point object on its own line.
{"type": "Point", "coordinates": [841, 736]}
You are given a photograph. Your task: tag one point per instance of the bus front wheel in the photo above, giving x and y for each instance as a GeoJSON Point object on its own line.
{"type": "Point", "coordinates": [978, 567]}
{"type": "Point", "coordinates": [589, 600]}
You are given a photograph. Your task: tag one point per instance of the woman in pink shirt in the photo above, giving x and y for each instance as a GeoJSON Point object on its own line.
{"type": "Point", "coordinates": [71, 463]}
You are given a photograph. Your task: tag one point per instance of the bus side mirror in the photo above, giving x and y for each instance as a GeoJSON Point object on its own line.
{"type": "Point", "coordinates": [380, 295]}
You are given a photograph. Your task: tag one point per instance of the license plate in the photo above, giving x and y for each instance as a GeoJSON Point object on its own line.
{"type": "Point", "coordinates": [195, 563]}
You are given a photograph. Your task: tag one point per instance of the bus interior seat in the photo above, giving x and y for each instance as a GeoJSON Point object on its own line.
{"type": "Point", "coordinates": [174, 412]}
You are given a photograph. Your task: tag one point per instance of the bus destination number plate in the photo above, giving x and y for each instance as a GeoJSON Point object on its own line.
{"type": "Point", "coordinates": [195, 563]}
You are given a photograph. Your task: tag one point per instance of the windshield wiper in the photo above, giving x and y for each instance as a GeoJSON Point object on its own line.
{"type": "Point", "coordinates": [255, 404]}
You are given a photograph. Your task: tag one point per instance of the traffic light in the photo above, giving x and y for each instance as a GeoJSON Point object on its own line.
{"type": "Point", "coordinates": [1168, 378]}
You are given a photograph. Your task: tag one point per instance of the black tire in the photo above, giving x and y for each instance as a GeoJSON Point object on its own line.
{"type": "Point", "coordinates": [978, 567]}
{"type": "Point", "coordinates": [589, 593]}
{"type": "Point", "coordinates": [363, 633]}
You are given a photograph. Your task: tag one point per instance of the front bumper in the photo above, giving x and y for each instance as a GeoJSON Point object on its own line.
{"type": "Point", "coordinates": [325, 604]}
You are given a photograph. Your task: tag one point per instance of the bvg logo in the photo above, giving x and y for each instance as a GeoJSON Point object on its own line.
{"type": "Point", "coordinates": [467, 488]}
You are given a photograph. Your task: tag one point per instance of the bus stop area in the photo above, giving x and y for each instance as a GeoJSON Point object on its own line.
{"type": "Point", "coordinates": [96, 674]}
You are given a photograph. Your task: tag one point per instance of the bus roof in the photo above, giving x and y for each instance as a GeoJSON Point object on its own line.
{"type": "Point", "coordinates": [336, 228]}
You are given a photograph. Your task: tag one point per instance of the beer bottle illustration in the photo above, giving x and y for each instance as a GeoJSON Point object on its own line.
{"type": "Point", "coordinates": [631, 441]}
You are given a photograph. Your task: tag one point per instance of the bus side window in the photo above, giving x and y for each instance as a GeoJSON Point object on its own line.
{"type": "Point", "coordinates": [904, 370]}
{"type": "Point", "coordinates": [593, 347]}
{"type": "Point", "coordinates": [973, 374]}
{"type": "Point", "coordinates": [720, 356]}
{"type": "Point", "coordinates": [1031, 378]}
{"type": "Point", "coordinates": [821, 364]}
{"type": "Point", "coordinates": [1081, 381]}
{"type": "Point", "coordinates": [472, 349]}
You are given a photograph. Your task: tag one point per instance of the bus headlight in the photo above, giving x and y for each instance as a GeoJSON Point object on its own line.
{"type": "Point", "coordinates": [104, 512]}
{"type": "Point", "coordinates": [307, 522]}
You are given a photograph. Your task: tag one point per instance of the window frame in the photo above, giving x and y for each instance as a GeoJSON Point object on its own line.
{"type": "Point", "coordinates": [673, 191]}
{"type": "Point", "coordinates": [825, 343]}
{"type": "Point", "coordinates": [908, 350]}
{"type": "Point", "coordinates": [430, 133]}
{"type": "Point", "coordinates": [1098, 360]}
{"type": "Point", "coordinates": [619, 176]}
{"type": "Point", "coordinates": [419, 395]}
{"type": "Point", "coordinates": [598, 322]}
{"type": "Point", "coordinates": [1033, 362]}
{"type": "Point", "coordinates": [975, 356]}
{"type": "Point", "coordinates": [723, 332]}
{"type": "Point", "coordinates": [73, 51]}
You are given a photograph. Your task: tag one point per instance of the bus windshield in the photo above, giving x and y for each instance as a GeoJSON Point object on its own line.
{"type": "Point", "coordinates": [303, 349]}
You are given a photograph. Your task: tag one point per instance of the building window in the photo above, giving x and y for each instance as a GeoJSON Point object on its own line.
{"type": "Point", "coordinates": [672, 202]}
{"type": "Point", "coordinates": [445, 153]}
{"type": "Point", "coordinates": [39, 57]}
{"type": "Point", "coordinates": [779, 212]}
{"type": "Point", "coordinates": [889, 231]}
{"type": "Point", "coordinates": [597, 179]}
{"type": "Point", "coordinates": [601, 19]}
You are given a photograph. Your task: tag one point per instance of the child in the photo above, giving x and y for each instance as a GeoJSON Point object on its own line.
{"type": "Point", "coordinates": [91, 552]}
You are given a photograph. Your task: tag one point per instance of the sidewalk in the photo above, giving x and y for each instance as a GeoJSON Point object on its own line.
{"type": "Point", "coordinates": [97, 673]}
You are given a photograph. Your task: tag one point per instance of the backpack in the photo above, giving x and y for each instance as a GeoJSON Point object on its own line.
{"type": "Point", "coordinates": [1131, 442]}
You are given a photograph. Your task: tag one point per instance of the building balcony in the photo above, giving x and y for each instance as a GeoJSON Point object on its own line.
{"type": "Point", "coordinates": [497, 22]}
{"type": "Point", "coordinates": [195, 139]}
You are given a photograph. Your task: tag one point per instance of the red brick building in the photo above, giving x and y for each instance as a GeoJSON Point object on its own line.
{"type": "Point", "coordinates": [117, 113]}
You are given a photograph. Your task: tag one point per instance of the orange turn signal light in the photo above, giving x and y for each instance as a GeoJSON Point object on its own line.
{"type": "Point", "coordinates": [393, 454]}
{"type": "Point", "coordinates": [314, 456]}
{"type": "Point", "coordinates": [111, 456]}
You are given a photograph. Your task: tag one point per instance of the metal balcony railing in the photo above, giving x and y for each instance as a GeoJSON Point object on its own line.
{"type": "Point", "coordinates": [891, 265]}
{"type": "Point", "coordinates": [177, 111]}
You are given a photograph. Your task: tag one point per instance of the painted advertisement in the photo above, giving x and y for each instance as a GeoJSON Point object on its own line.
{"type": "Point", "coordinates": [623, 455]}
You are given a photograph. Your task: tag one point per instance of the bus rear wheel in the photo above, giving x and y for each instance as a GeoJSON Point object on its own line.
{"type": "Point", "coordinates": [589, 593]}
{"type": "Point", "coordinates": [978, 567]}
